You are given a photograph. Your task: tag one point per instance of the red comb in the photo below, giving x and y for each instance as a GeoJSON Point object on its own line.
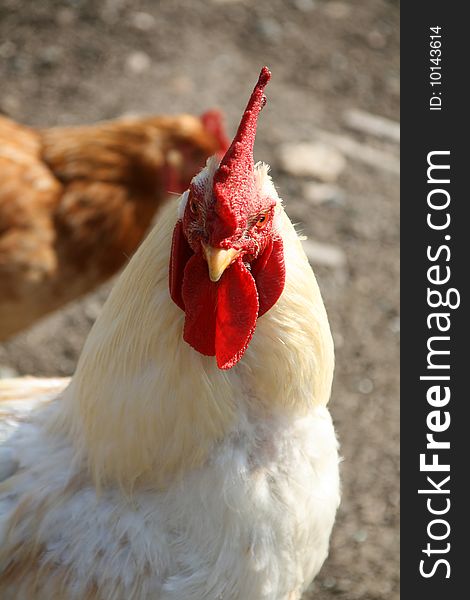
{"type": "Point", "coordinates": [233, 180]}
{"type": "Point", "coordinates": [213, 123]}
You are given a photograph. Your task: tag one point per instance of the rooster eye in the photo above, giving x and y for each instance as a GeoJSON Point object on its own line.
{"type": "Point", "coordinates": [261, 222]}
{"type": "Point", "coordinates": [193, 206]}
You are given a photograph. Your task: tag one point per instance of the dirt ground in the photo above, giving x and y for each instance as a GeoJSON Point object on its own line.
{"type": "Point", "coordinates": [77, 61]}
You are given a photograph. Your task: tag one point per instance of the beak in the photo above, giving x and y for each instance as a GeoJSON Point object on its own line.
{"type": "Point", "coordinates": [218, 259]}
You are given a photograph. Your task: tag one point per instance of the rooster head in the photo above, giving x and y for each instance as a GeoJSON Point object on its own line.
{"type": "Point", "coordinates": [227, 261]}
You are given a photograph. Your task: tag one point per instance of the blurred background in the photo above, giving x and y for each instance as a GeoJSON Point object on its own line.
{"type": "Point", "coordinates": [335, 70]}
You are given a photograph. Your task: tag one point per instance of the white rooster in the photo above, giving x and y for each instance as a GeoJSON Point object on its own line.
{"type": "Point", "coordinates": [160, 472]}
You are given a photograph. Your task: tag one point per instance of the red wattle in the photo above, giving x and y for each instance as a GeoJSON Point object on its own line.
{"type": "Point", "coordinates": [220, 317]}
{"type": "Point", "coordinates": [200, 299]}
{"type": "Point", "coordinates": [269, 273]}
{"type": "Point", "coordinates": [237, 311]}
{"type": "Point", "coordinates": [180, 254]}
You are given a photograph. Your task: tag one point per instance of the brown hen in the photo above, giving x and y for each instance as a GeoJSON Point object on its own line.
{"type": "Point", "coordinates": [75, 202]}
